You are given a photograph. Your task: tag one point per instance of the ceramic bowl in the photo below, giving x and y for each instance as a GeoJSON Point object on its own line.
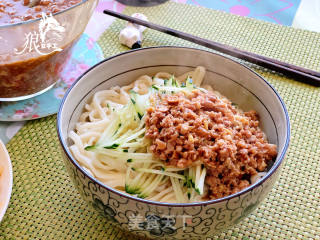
{"type": "Point", "coordinates": [5, 180]}
{"type": "Point", "coordinates": [163, 220]}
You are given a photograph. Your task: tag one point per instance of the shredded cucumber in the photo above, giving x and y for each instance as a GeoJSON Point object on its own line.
{"type": "Point", "coordinates": [160, 172]}
{"type": "Point", "coordinates": [123, 141]}
{"type": "Point", "coordinates": [194, 180]}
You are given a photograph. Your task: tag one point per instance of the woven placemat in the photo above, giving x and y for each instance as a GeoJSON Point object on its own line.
{"type": "Point", "coordinates": [45, 205]}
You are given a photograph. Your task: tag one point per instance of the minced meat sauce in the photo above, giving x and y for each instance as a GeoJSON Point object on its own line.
{"type": "Point", "coordinates": [14, 11]}
{"type": "Point", "coordinates": [186, 128]}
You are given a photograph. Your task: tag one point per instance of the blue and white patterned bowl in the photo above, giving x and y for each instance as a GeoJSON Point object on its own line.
{"type": "Point", "coordinates": [163, 220]}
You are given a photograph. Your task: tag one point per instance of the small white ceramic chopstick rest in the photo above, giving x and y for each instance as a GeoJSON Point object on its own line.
{"type": "Point", "coordinates": [131, 35]}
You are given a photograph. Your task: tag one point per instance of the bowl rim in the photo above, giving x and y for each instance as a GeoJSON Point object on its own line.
{"type": "Point", "coordinates": [38, 19]}
{"type": "Point", "coordinates": [272, 170]}
{"type": "Point", "coordinates": [4, 152]}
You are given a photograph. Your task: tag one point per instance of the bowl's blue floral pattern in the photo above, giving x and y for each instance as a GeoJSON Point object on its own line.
{"type": "Point", "coordinates": [167, 222]}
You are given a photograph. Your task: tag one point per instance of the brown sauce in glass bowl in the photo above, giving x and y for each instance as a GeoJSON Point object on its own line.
{"type": "Point", "coordinates": [34, 70]}
{"type": "Point", "coordinates": [26, 77]}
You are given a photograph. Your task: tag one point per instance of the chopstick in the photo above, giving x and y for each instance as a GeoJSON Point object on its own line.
{"type": "Point", "coordinates": [296, 72]}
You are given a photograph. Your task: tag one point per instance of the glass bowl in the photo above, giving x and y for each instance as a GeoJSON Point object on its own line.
{"type": "Point", "coordinates": [33, 53]}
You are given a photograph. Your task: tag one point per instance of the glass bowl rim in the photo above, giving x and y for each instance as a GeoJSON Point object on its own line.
{"type": "Point", "coordinates": [38, 19]}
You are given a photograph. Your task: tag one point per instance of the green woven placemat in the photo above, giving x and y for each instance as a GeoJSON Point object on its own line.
{"type": "Point", "coordinates": [45, 205]}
